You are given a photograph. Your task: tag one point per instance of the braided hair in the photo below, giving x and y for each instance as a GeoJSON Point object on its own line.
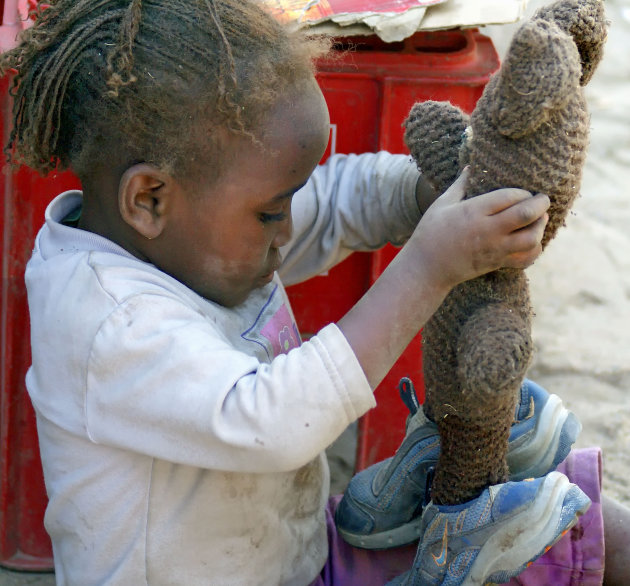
{"type": "Point", "coordinates": [133, 80]}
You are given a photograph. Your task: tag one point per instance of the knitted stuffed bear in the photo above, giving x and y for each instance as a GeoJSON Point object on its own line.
{"type": "Point", "coordinates": [529, 130]}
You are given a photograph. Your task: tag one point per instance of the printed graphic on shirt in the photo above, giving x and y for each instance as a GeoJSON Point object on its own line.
{"type": "Point", "coordinates": [274, 328]}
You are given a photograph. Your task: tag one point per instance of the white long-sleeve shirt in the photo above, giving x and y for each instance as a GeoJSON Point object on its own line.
{"type": "Point", "coordinates": [182, 442]}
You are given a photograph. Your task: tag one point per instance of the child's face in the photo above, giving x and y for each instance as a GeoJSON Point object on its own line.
{"type": "Point", "coordinates": [225, 238]}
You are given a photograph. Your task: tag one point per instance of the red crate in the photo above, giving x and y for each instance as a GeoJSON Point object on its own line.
{"type": "Point", "coordinates": [369, 92]}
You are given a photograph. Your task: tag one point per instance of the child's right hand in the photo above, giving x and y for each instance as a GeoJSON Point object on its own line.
{"type": "Point", "coordinates": [459, 239]}
{"type": "Point", "coordinates": [456, 240]}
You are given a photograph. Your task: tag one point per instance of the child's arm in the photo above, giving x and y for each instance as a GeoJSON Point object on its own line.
{"type": "Point", "coordinates": [164, 379]}
{"type": "Point", "coordinates": [352, 202]}
{"type": "Point", "coordinates": [455, 241]}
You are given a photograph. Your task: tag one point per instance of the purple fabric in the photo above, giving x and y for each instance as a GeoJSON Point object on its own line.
{"type": "Point", "coordinates": [577, 559]}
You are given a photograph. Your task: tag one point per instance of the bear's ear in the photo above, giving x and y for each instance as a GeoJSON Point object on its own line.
{"type": "Point", "coordinates": [434, 134]}
{"type": "Point", "coordinates": [541, 71]}
{"type": "Point", "coordinates": [585, 21]}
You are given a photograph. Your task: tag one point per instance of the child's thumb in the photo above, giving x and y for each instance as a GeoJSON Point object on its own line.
{"type": "Point", "coordinates": [457, 191]}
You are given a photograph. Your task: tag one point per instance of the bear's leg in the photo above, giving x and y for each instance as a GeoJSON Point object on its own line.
{"type": "Point", "coordinates": [474, 420]}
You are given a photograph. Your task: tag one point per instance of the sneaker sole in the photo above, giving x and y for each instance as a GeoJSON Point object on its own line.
{"type": "Point", "coordinates": [517, 543]}
{"type": "Point", "coordinates": [402, 535]}
{"type": "Point", "coordinates": [556, 430]}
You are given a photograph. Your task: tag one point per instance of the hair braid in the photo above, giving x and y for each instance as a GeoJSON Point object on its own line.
{"type": "Point", "coordinates": [122, 73]}
{"type": "Point", "coordinates": [56, 82]}
{"type": "Point", "coordinates": [228, 57]}
{"type": "Point", "coordinates": [43, 74]}
{"type": "Point", "coordinates": [102, 79]}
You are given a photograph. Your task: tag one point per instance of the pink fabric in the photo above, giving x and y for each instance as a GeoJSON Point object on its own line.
{"type": "Point", "coordinates": [577, 559]}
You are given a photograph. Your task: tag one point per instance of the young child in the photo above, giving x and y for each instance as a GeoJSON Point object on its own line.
{"type": "Point", "coordinates": [182, 423]}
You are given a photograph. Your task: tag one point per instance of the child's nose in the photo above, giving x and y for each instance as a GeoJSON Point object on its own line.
{"type": "Point", "coordinates": [285, 231]}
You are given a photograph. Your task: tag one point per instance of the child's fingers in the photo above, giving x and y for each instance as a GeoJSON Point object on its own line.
{"type": "Point", "coordinates": [516, 206]}
{"type": "Point", "coordinates": [524, 210]}
{"type": "Point", "coordinates": [498, 201]}
{"type": "Point", "coordinates": [524, 245]}
{"type": "Point", "coordinates": [530, 235]}
{"type": "Point", "coordinates": [522, 260]}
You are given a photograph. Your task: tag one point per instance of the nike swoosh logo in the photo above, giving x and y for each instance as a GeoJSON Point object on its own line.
{"type": "Point", "coordinates": [530, 414]}
{"type": "Point", "coordinates": [441, 559]}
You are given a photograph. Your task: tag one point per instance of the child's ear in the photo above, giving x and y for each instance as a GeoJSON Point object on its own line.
{"type": "Point", "coordinates": [143, 199]}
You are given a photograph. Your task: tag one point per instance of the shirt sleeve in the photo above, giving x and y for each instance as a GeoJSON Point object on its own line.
{"type": "Point", "coordinates": [174, 388]}
{"type": "Point", "coordinates": [352, 202]}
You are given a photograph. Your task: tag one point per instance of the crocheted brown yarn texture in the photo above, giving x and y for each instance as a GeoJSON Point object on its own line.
{"type": "Point", "coordinates": [529, 130]}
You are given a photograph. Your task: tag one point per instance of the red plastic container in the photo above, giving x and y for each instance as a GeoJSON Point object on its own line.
{"type": "Point", "coordinates": [24, 544]}
{"type": "Point", "coordinates": [369, 92]}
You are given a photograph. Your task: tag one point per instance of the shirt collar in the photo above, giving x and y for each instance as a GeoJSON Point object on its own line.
{"type": "Point", "coordinates": [55, 238]}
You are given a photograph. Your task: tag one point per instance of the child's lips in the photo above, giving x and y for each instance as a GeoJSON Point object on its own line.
{"type": "Point", "coordinates": [265, 279]}
{"type": "Point", "coordinates": [275, 265]}
{"type": "Point", "coordinates": [268, 277]}
{"type": "Point", "coordinates": [274, 260]}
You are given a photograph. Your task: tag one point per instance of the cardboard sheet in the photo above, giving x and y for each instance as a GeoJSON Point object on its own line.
{"type": "Point", "coordinates": [310, 12]}
{"type": "Point", "coordinates": [392, 20]}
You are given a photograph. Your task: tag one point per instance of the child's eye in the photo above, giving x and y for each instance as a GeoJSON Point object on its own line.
{"type": "Point", "coordinates": [267, 218]}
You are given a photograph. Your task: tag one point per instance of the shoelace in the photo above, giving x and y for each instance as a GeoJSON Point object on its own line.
{"type": "Point", "coordinates": [408, 394]}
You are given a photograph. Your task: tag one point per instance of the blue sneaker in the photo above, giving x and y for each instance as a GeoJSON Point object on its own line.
{"type": "Point", "coordinates": [382, 506]}
{"type": "Point", "coordinates": [495, 536]}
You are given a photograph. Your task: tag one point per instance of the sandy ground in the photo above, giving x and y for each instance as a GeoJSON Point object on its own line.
{"type": "Point", "coordinates": [580, 286]}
